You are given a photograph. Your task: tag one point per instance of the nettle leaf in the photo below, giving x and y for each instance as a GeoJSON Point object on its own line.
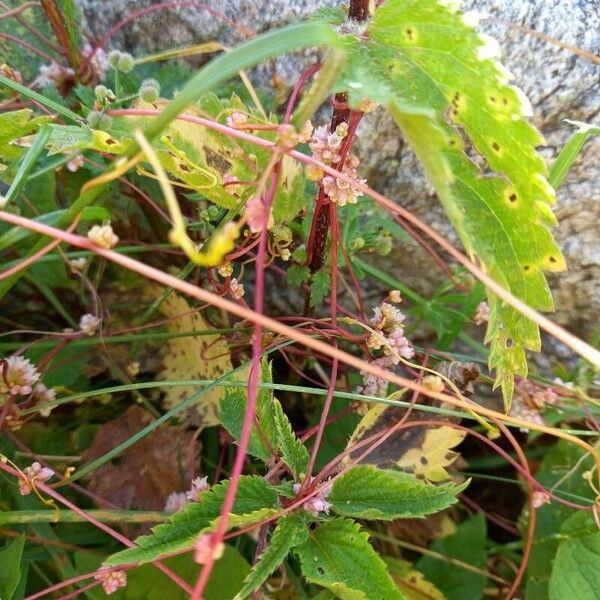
{"type": "Point", "coordinates": [297, 275]}
{"type": "Point", "coordinates": [14, 125]}
{"type": "Point", "coordinates": [339, 557]}
{"type": "Point", "coordinates": [366, 492]}
{"type": "Point", "coordinates": [420, 450]}
{"type": "Point", "coordinates": [558, 473]}
{"type": "Point", "coordinates": [272, 434]}
{"type": "Point", "coordinates": [291, 531]}
{"type": "Point", "coordinates": [254, 501]}
{"type": "Point", "coordinates": [576, 568]}
{"type": "Point", "coordinates": [320, 287]}
{"type": "Point", "coordinates": [465, 123]}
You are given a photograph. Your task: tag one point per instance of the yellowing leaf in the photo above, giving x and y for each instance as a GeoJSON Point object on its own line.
{"type": "Point", "coordinates": [466, 124]}
{"type": "Point", "coordinates": [193, 357]}
{"type": "Point", "coordinates": [422, 450]}
{"type": "Point", "coordinates": [412, 582]}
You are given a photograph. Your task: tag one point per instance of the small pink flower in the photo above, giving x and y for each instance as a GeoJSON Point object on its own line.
{"type": "Point", "coordinates": [75, 163]}
{"type": "Point", "coordinates": [175, 502]}
{"type": "Point", "coordinates": [111, 580]}
{"type": "Point", "coordinates": [236, 288]}
{"type": "Point", "coordinates": [199, 485]}
{"type": "Point", "coordinates": [255, 214]}
{"type": "Point", "coordinates": [35, 472]}
{"type": "Point", "coordinates": [316, 504]}
{"type": "Point", "coordinates": [236, 119]}
{"type": "Point", "coordinates": [399, 345]}
{"type": "Point", "coordinates": [205, 549]}
{"type": "Point", "coordinates": [540, 498]}
{"type": "Point", "coordinates": [18, 376]}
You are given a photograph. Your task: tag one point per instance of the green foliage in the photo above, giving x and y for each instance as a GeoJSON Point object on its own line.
{"type": "Point", "coordinates": [297, 275]}
{"type": "Point", "coordinates": [366, 492]}
{"type": "Point", "coordinates": [576, 567]}
{"type": "Point", "coordinates": [146, 582]}
{"type": "Point", "coordinates": [338, 556]}
{"type": "Point", "coordinates": [570, 151]}
{"type": "Point", "coordinates": [290, 532]}
{"type": "Point", "coordinates": [467, 544]}
{"type": "Point", "coordinates": [320, 286]}
{"type": "Point", "coordinates": [438, 79]}
{"type": "Point", "coordinates": [273, 432]}
{"type": "Point", "coordinates": [557, 466]}
{"type": "Point", "coordinates": [254, 496]}
{"type": "Point", "coordinates": [11, 571]}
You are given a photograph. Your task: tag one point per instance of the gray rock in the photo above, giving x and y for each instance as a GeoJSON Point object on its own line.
{"type": "Point", "coordinates": [560, 84]}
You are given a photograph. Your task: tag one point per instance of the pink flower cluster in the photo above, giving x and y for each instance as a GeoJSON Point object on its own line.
{"type": "Point", "coordinates": [35, 472]}
{"type": "Point", "coordinates": [19, 376]}
{"type": "Point", "coordinates": [316, 504]}
{"type": "Point", "coordinates": [178, 500]}
{"type": "Point", "coordinates": [530, 399]}
{"type": "Point", "coordinates": [388, 336]}
{"type": "Point", "coordinates": [111, 580]}
{"type": "Point", "coordinates": [326, 147]}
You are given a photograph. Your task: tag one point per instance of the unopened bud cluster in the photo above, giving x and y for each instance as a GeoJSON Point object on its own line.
{"type": "Point", "coordinates": [326, 147]}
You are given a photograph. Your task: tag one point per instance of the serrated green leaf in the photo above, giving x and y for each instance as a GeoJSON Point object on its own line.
{"type": "Point", "coordinates": [366, 492]}
{"type": "Point", "coordinates": [145, 582]}
{"type": "Point", "coordinates": [231, 416]}
{"type": "Point", "coordinates": [10, 571]}
{"type": "Point", "coordinates": [290, 532]}
{"type": "Point", "coordinates": [254, 495]}
{"type": "Point", "coordinates": [293, 451]}
{"type": "Point", "coordinates": [576, 568]}
{"type": "Point", "coordinates": [297, 275]}
{"type": "Point", "coordinates": [275, 435]}
{"type": "Point", "coordinates": [467, 544]}
{"type": "Point", "coordinates": [338, 556]}
{"type": "Point", "coordinates": [320, 285]}
{"type": "Point", "coordinates": [452, 102]}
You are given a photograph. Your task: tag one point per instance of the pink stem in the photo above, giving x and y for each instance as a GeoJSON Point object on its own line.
{"type": "Point", "coordinates": [99, 524]}
{"type": "Point", "coordinates": [552, 328]}
{"type": "Point", "coordinates": [31, 259]}
{"type": "Point", "coordinates": [240, 456]}
{"type": "Point", "coordinates": [259, 318]}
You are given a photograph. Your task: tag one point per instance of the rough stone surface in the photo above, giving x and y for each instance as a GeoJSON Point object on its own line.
{"type": "Point", "coordinates": [560, 84]}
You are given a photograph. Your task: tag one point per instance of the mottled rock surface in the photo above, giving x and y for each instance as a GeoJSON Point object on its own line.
{"type": "Point", "coordinates": [560, 84]}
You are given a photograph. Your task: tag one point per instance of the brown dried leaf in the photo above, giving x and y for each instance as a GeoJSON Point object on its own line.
{"type": "Point", "coordinates": [147, 472]}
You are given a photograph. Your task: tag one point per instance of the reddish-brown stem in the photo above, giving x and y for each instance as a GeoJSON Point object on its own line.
{"type": "Point", "coordinates": [240, 456]}
{"type": "Point", "coordinates": [57, 22]}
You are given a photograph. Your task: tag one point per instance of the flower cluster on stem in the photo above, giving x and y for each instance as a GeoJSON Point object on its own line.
{"type": "Point", "coordinates": [387, 335]}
